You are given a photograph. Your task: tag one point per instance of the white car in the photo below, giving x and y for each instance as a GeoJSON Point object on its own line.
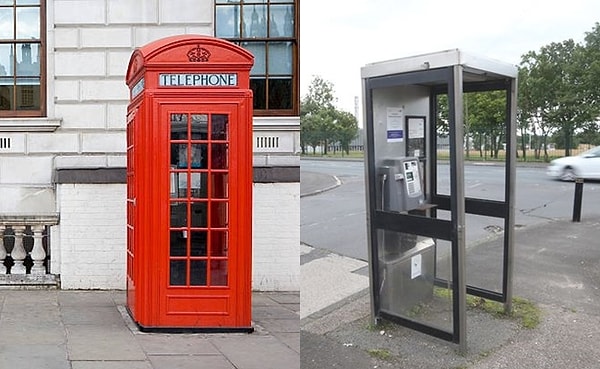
{"type": "Point", "coordinates": [585, 165]}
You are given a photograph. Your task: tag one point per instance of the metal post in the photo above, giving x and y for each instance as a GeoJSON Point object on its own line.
{"type": "Point", "coordinates": [457, 181]}
{"type": "Point", "coordinates": [577, 200]}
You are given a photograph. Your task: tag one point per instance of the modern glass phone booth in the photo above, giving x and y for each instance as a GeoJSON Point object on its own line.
{"type": "Point", "coordinates": [189, 185]}
{"type": "Point", "coordinates": [416, 202]}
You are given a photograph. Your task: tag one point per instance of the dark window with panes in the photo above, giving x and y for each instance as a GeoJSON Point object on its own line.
{"type": "Point", "coordinates": [22, 59]}
{"type": "Point", "coordinates": [269, 30]}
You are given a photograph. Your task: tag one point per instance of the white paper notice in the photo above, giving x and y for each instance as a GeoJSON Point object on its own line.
{"type": "Point", "coordinates": [395, 125]}
{"type": "Point", "coordinates": [415, 266]}
{"type": "Point", "coordinates": [416, 127]}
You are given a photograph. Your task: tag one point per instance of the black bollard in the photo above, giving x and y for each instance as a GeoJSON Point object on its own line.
{"type": "Point", "coordinates": [577, 200]}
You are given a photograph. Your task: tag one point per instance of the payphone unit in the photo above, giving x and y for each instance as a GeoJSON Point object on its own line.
{"type": "Point", "coordinates": [401, 187]}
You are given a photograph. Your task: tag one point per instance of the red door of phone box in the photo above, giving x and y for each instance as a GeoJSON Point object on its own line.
{"type": "Point", "coordinates": [189, 185]}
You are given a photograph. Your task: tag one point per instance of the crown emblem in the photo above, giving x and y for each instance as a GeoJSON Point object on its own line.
{"type": "Point", "coordinates": [198, 54]}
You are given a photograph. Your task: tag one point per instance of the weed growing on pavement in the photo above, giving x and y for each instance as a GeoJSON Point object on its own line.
{"type": "Point", "coordinates": [523, 310]}
{"type": "Point", "coordinates": [381, 354]}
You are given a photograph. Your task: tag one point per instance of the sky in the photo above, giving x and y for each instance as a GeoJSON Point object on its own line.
{"type": "Point", "coordinates": [338, 37]}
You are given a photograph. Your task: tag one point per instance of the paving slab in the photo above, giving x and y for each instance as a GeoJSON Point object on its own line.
{"type": "Point", "coordinates": [190, 362]}
{"type": "Point", "coordinates": [257, 352]}
{"type": "Point", "coordinates": [111, 365]}
{"type": "Point", "coordinates": [176, 344]}
{"type": "Point", "coordinates": [102, 342]}
{"type": "Point", "coordinates": [33, 356]}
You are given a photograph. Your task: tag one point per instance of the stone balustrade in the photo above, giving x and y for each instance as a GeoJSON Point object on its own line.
{"type": "Point", "coordinates": [24, 244]}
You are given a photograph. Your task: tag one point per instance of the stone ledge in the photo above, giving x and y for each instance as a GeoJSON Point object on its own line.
{"type": "Point", "coordinates": [29, 281]}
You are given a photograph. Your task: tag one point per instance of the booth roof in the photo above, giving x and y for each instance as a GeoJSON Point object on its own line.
{"type": "Point", "coordinates": [478, 65]}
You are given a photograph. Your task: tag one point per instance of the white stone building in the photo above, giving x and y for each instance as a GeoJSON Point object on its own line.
{"type": "Point", "coordinates": [63, 102]}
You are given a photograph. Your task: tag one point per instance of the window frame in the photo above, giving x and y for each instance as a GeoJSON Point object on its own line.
{"type": "Point", "coordinates": [295, 41]}
{"type": "Point", "coordinates": [42, 42]}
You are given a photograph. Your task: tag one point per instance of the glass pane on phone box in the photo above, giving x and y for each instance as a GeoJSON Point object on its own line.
{"type": "Point", "coordinates": [198, 156]}
{"type": "Point", "coordinates": [178, 243]}
{"type": "Point", "coordinates": [179, 126]}
{"type": "Point", "coordinates": [218, 243]}
{"type": "Point", "coordinates": [219, 156]}
{"type": "Point", "coordinates": [218, 272]}
{"type": "Point", "coordinates": [198, 273]}
{"type": "Point", "coordinates": [179, 155]}
{"type": "Point", "coordinates": [198, 214]}
{"type": "Point", "coordinates": [219, 126]}
{"type": "Point", "coordinates": [219, 185]}
{"type": "Point", "coordinates": [178, 214]}
{"type": "Point", "coordinates": [218, 215]}
{"type": "Point", "coordinates": [177, 272]}
{"type": "Point", "coordinates": [198, 243]}
{"type": "Point", "coordinates": [198, 185]}
{"type": "Point", "coordinates": [199, 126]}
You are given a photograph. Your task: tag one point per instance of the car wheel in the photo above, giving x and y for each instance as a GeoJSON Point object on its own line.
{"type": "Point", "coordinates": [568, 174]}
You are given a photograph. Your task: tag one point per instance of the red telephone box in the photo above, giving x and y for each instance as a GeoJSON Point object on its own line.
{"type": "Point", "coordinates": [189, 185]}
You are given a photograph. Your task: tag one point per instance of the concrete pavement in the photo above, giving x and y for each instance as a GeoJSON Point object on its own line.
{"type": "Point", "coordinates": [59, 329]}
{"type": "Point", "coordinates": [557, 267]}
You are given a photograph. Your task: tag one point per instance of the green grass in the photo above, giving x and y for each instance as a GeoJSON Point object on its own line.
{"type": "Point", "coordinates": [381, 354]}
{"type": "Point", "coordinates": [474, 155]}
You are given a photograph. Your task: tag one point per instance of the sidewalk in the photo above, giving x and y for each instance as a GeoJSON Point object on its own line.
{"type": "Point", "coordinates": [60, 329]}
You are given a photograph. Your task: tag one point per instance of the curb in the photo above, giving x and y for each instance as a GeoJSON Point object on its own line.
{"type": "Point", "coordinates": [316, 192]}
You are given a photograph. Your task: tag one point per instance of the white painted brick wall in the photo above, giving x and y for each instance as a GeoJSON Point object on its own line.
{"type": "Point", "coordinates": [93, 240]}
{"type": "Point", "coordinates": [66, 90]}
{"type": "Point", "coordinates": [144, 35]}
{"type": "Point", "coordinates": [76, 63]}
{"type": "Point", "coordinates": [53, 142]}
{"type": "Point", "coordinates": [77, 116]}
{"type": "Point", "coordinates": [66, 37]}
{"type": "Point", "coordinates": [100, 37]}
{"type": "Point", "coordinates": [132, 11]}
{"type": "Point", "coordinates": [103, 142]}
{"type": "Point", "coordinates": [79, 12]}
{"type": "Point", "coordinates": [276, 237]}
{"type": "Point", "coordinates": [103, 90]}
{"type": "Point", "coordinates": [25, 170]}
{"type": "Point", "coordinates": [195, 11]}
{"type": "Point", "coordinates": [92, 236]}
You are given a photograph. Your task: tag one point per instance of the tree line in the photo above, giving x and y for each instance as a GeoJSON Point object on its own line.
{"type": "Point", "coordinates": [558, 104]}
{"type": "Point", "coordinates": [321, 123]}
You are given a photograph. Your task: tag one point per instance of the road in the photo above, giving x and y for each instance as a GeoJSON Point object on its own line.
{"type": "Point", "coordinates": [335, 220]}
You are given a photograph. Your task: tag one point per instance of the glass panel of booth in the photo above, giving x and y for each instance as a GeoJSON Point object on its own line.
{"type": "Point", "coordinates": [408, 265]}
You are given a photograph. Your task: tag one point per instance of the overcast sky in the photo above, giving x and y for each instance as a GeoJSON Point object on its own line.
{"type": "Point", "coordinates": [338, 37]}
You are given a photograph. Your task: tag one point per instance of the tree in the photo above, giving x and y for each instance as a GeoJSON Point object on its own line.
{"type": "Point", "coordinates": [346, 129]}
{"type": "Point", "coordinates": [591, 69]}
{"type": "Point", "coordinates": [321, 123]}
{"type": "Point", "coordinates": [558, 88]}
{"type": "Point", "coordinates": [487, 117]}
{"type": "Point", "coordinates": [317, 114]}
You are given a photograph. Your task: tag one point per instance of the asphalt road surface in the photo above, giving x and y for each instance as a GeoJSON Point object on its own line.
{"type": "Point", "coordinates": [334, 220]}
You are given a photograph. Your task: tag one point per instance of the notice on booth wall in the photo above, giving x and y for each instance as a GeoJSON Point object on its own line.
{"type": "Point", "coordinates": [415, 266]}
{"type": "Point", "coordinates": [395, 125]}
{"type": "Point", "coordinates": [416, 127]}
